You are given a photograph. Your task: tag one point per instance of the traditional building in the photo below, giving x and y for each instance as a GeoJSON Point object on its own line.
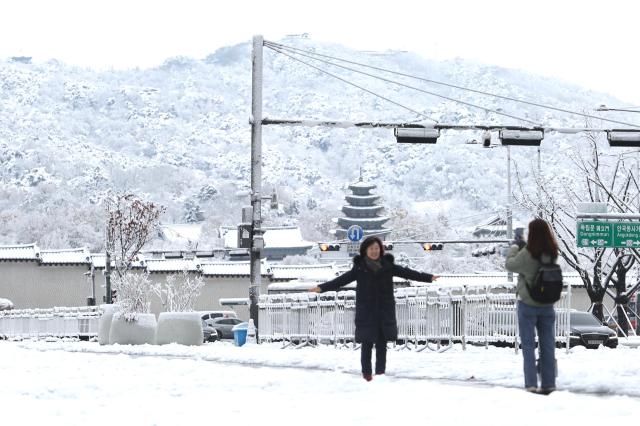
{"type": "Point", "coordinates": [361, 209]}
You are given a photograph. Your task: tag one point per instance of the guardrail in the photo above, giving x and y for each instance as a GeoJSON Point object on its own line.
{"type": "Point", "coordinates": [78, 322]}
{"type": "Point", "coordinates": [430, 317]}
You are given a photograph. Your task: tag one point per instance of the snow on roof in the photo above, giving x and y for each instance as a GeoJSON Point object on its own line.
{"type": "Point", "coordinates": [285, 237]}
{"type": "Point", "coordinates": [99, 261]}
{"type": "Point", "coordinates": [289, 237]}
{"type": "Point", "coordinates": [172, 265]}
{"type": "Point", "coordinates": [364, 219]}
{"type": "Point", "coordinates": [320, 272]}
{"type": "Point", "coordinates": [363, 208]}
{"type": "Point", "coordinates": [65, 256]}
{"type": "Point", "coordinates": [181, 232]}
{"type": "Point", "coordinates": [362, 197]}
{"type": "Point", "coordinates": [20, 252]}
{"type": "Point", "coordinates": [236, 268]}
{"type": "Point", "coordinates": [361, 184]}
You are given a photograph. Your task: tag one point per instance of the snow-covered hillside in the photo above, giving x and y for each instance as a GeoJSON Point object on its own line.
{"type": "Point", "coordinates": [179, 135]}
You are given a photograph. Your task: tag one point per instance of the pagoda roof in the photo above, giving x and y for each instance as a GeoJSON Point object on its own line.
{"type": "Point", "coordinates": [371, 207]}
{"type": "Point", "coordinates": [362, 185]}
{"type": "Point", "coordinates": [362, 197]}
{"type": "Point", "coordinates": [364, 219]}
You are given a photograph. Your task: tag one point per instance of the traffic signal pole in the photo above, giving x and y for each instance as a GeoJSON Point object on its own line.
{"type": "Point", "coordinates": [256, 178]}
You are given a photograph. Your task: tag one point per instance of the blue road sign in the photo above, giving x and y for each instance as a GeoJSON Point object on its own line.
{"type": "Point", "coordinates": [355, 233]}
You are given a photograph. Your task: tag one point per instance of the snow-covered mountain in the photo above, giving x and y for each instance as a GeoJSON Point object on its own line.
{"type": "Point", "coordinates": [179, 134]}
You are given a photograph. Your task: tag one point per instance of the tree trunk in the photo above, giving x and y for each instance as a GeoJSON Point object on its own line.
{"type": "Point", "coordinates": [597, 310]}
{"type": "Point", "coordinates": [622, 299]}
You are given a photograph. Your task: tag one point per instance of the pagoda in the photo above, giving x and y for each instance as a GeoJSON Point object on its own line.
{"type": "Point", "coordinates": [361, 209]}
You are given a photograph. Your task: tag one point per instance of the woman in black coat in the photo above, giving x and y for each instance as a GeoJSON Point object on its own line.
{"type": "Point", "coordinates": [375, 302]}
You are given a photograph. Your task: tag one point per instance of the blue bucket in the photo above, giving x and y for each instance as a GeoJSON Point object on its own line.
{"type": "Point", "coordinates": [240, 334]}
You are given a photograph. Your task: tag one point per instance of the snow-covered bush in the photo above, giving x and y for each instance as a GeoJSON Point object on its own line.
{"type": "Point", "coordinates": [133, 293]}
{"type": "Point", "coordinates": [179, 293]}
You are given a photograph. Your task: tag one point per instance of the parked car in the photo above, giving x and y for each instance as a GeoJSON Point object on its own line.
{"type": "Point", "coordinates": [588, 331]}
{"type": "Point", "coordinates": [210, 333]}
{"type": "Point", "coordinates": [224, 326]}
{"type": "Point", "coordinates": [206, 315]}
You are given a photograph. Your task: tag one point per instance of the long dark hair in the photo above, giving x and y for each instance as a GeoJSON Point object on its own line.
{"type": "Point", "coordinates": [541, 239]}
{"type": "Point", "coordinates": [368, 242]}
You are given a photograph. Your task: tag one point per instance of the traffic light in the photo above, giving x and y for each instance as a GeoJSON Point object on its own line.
{"type": "Point", "coordinates": [388, 247]}
{"type": "Point", "coordinates": [329, 247]}
{"type": "Point", "coordinates": [416, 135]}
{"type": "Point", "coordinates": [431, 246]}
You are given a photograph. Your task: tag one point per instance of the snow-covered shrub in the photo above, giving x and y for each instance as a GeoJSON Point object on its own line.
{"type": "Point", "coordinates": [139, 332]}
{"type": "Point", "coordinates": [184, 328]}
{"type": "Point", "coordinates": [179, 293]}
{"type": "Point", "coordinates": [133, 293]}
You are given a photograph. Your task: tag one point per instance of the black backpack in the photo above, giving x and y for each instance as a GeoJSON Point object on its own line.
{"type": "Point", "coordinates": [547, 285]}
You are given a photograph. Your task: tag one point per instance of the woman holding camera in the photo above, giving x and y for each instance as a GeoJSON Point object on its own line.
{"type": "Point", "coordinates": [525, 259]}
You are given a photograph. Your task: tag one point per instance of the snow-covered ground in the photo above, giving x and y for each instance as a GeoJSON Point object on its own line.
{"type": "Point", "coordinates": [69, 383]}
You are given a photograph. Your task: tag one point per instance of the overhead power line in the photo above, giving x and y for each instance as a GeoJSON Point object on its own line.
{"type": "Point", "coordinates": [355, 85]}
{"type": "Point", "coordinates": [277, 49]}
{"type": "Point", "coordinates": [426, 80]}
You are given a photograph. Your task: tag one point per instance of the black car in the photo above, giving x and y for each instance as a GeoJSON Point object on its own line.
{"type": "Point", "coordinates": [588, 331]}
{"type": "Point", "coordinates": [210, 333]}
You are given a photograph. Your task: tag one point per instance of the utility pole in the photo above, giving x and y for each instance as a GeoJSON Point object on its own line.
{"type": "Point", "coordinates": [257, 242]}
{"type": "Point", "coordinates": [509, 209]}
{"type": "Point", "coordinates": [107, 277]}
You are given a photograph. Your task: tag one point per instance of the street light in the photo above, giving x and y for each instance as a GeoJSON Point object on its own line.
{"type": "Point", "coordinates": [416, 135]}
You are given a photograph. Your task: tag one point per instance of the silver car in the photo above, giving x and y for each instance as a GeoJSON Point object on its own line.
{"type": "Point", "coordinates": [224, 326]}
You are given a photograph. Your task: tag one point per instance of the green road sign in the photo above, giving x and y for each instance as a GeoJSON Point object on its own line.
{"type": "Point", "coordinates": [595, 234]}
{"type": "Point", "coordinates": [626, 234]}
{"type": "Point", "coordinates": [608, 234]}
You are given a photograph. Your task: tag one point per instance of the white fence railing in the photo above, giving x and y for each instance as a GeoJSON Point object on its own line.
{"type": "Point", "coordinates": [79, 322]}
{"type": "Point", "coordinates": [428, 317]}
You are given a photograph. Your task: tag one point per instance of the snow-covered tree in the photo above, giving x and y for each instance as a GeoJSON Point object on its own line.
{"type": "Point", "coordinates": [596, 176]}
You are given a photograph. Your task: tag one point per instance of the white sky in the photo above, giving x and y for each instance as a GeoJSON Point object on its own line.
{"type": "Point", "coordinates": [590, 43]}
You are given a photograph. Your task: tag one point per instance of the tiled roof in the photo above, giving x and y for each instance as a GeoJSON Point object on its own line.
{"type": "Point", "coordinates": [172, 265]}
{"type": "Point", "coordinates": [66, 256]}
{"type": "Point", "coordinates": [20, 252]}
{"type": "Point", "coordinates": [99, 261]}
{"type": "Point", "coordinates": [238, 268]}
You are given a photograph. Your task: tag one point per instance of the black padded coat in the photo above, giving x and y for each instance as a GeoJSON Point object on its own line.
{"type": "Point", "coordinates": [375, 302]}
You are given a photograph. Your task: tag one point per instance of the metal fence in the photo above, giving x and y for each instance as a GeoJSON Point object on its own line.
{"type": "Point", "coordinates": [79, 322]}
{"type": "Point", "coordinates": [428, 317]}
